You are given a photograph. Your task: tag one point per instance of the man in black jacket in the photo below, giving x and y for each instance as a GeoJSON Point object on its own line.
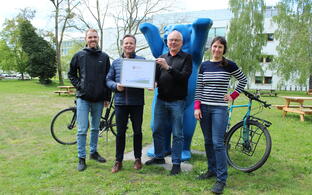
{"type": "Point", "coordinates": [88, 70]}
{"type": "Point", "coordinates": [173, 71]}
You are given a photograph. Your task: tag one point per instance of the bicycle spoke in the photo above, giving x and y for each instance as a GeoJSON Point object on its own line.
{"type": "Point", "coordinates": [63, 127]}
{"type": "Point", "coordinates": [248, 153]}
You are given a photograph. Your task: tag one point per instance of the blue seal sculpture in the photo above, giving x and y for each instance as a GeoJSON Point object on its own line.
{"type": "Point", "coordinates": [194, 42]}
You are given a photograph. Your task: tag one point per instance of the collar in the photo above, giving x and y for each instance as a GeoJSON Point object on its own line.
{"type": "Point", "coordinates": [180, 53]}
{"type": "Point", "coordinates": [92, 50]}
{"type": "Point", "coordinates": [133, 55]}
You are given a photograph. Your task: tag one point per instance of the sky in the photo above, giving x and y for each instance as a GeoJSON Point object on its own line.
{"type": "Point", "coordinates": [44, 20]}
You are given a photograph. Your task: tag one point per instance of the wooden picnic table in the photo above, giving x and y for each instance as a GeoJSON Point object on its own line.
{"type": "Point", "coordinates": [300, 109]}
{"type": "Point", "coordinates": [70, 90]}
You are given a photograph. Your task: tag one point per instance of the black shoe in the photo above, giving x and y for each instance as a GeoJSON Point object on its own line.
{"type": "Point", "coordinates": [81, 164]}
{"type": "Point", "coordinates": [207, 175]}
{"type": "Point", "coordinates": [155, 161]}
{"type": "Point", "coordinates": [218, 187]}
{"type": "Point", "coordinates": [96, 156]}
{"type": "Point", "coordinates": [176, 169]}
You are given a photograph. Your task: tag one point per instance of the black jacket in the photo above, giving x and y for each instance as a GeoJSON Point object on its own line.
{"type": "Point", "coordinates": [173, 83]}
{"type": "Point", "coordinates": [87, 73]}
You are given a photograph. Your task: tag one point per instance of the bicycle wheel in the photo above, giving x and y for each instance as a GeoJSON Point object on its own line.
{"type": "Point", "coordinates": [112, 123]}
{"type": "Point", "coordinates": [250, 155]}
{"type": "Point", "coordinates": [63, 126]}
{"type": "Point", "coordinates": [108, 125]}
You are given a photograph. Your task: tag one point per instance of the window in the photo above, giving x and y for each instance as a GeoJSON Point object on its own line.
{"type": "Point", "coordinates": [267, 80]}
{"type": "Point", "coordinates": [263, 80]}
{"type": "Point", "coordinates": [268, 58]}
{"type": "Point", "coordinates": [261, 59]}
{"type": "Point", "coordinates": [270, 37]}
{"type": "Point", "coordinates": [258, 79]}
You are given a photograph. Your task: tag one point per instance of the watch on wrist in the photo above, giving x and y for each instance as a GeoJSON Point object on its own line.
{"type": "Point", "coordinates": [169, 69]}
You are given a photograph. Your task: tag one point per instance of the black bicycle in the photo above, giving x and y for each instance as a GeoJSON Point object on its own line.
{"type": "Point", "coordinates": [248, 143]}
{"type": "Point", "coordinates": [64, 126]}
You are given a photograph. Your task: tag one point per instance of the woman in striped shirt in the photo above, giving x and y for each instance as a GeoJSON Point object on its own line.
{"type": "Point", "coordinates": [211, 103]}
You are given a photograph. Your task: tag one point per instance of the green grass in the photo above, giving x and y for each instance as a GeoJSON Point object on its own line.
{"type": "Point", "coordinates": [31, 162]}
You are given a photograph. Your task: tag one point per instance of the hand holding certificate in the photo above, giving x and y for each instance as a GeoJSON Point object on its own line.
{"type": "Point", "coordinates": [138, 73]}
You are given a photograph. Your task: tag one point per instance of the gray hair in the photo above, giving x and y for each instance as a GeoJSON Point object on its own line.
{"type": "Point", "coordinates": [179, 33]}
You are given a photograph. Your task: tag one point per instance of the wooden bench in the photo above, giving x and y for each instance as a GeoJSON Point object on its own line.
{"type": "Point", "coordinates": [300, 111]}
{"type": "Point", "coordinates": [280, 107]}
{"type": "Point", "coordinates": [69, 90]}
{"type": "Point", "coordinates": [65, 92]}
{"type": "Point", "coordinates": [269, 92]}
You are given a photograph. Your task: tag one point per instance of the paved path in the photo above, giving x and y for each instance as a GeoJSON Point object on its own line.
{"type": "Point", "coordinates": [185, 166]}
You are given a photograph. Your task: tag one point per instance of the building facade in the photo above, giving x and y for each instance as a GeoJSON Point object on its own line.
{"type": "Point", "coordinates": [268, 79]}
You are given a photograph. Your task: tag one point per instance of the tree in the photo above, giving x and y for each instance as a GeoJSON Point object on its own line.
{"type": "Point", "coordinates": [245, 38]}
{"type": "Point", "coordinates": [63, 14]}
{"type": "Point", "coordinates": [16, 59]}
{"type": "Point", "coordinates": [294, 33]}
{"type": "Point", "coordinates": [7, 57]}
{"type": "Point", "coordinates": [40, 53]}
{"type": "Point", "coordinates": [129, 14]}
{"type": "Point", "coordinates": [98, 13]}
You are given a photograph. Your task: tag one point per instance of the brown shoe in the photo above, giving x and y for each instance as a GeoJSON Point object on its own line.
{"type": "Point", "coordinates": [117, 167]}
{"type": "Point", "coordinates": [137, 164]}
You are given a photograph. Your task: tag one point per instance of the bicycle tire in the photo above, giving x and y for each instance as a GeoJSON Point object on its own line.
{"type": "Point", "coordinates": [112, 122]}
{"type": "Point", "coordinates": [257, 152]}
{"type": "Point", "coordinates": [63, 126]}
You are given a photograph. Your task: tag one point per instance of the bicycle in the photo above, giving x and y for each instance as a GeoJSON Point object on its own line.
{"type": "Point", "coordinates": [63, 125]}
{"type": "Point", "coordinates": [248, 143]}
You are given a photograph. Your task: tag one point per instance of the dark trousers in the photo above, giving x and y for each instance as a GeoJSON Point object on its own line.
{"type": "Point", "coordinates": [136, 117]}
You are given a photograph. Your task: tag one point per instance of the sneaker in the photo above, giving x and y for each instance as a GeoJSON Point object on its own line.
{"type": "Point", "coordinates": [117, 167]}
{"type": "Point", "coordinates": [81, 164]}
{"type": "Point", "coordinates": [207, 175]}
{"type": "Point", "coordinates": [176, 169]}
{"type": "Point", "coordinates": [137, 164]}
{"type": "Point", "coordinates": [96, 156]}
{"type": "Point", "coordinates": [218, 187]}
{"type": "Point", "coordinates": [154, 161]}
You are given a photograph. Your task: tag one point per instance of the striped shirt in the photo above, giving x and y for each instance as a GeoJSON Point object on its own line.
{"type": "Point", "coordinates": [213, 82]}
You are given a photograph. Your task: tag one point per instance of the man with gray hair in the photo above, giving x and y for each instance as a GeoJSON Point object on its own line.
{"type": "Point", "coordinates": [172, 74]}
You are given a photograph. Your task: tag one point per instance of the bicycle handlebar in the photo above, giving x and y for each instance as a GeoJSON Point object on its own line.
{"type": "Point", "coordinates": [254, 97]}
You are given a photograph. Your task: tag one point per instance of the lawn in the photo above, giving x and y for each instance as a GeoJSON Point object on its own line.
{"type": "Point", "coordinates": [31, 162]}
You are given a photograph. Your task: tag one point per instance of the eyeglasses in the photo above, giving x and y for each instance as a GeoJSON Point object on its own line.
{"type": "Point", "coordinates": [176, 40]}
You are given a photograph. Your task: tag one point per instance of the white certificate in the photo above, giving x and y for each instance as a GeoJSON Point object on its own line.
{"type": "Point", "coordinates": [138, 73]}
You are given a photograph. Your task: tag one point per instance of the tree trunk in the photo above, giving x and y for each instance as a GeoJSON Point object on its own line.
{"type": "Point", "coordinates": [310, 83]}
{"type": "Point", "coordinates": [58, 50]}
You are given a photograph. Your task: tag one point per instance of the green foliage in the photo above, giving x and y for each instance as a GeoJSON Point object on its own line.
{"type": "Point", "coordinates": [78, 45]}
{"type": "Point", "coordinates": [13, 58]}
{"type": "Point", "coordinates": [245, 38]}
{"type": "Point", "coordinates": [294, 33]}
{"type": "Point", "coordinates": [41, 54]}
{"type": "Point", "coordinates": [7, 61]}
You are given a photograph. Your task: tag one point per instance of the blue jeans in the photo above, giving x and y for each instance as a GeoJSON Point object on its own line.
{"type": "Point", "coordinates": [83, 109]}
{"type": "Point", "coordinates": [122, 117]}
{"type": "Point", "coordinates": [213, 125]}
{"type": "Point", "coordinates": [173, 112]}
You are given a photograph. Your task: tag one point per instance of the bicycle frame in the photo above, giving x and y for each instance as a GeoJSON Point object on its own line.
{"type": "Point", "coordinates": [246, 117]}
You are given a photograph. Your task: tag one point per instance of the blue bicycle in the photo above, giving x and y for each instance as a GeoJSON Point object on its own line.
{"type": "Point", "coordinates": [248, 143]}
